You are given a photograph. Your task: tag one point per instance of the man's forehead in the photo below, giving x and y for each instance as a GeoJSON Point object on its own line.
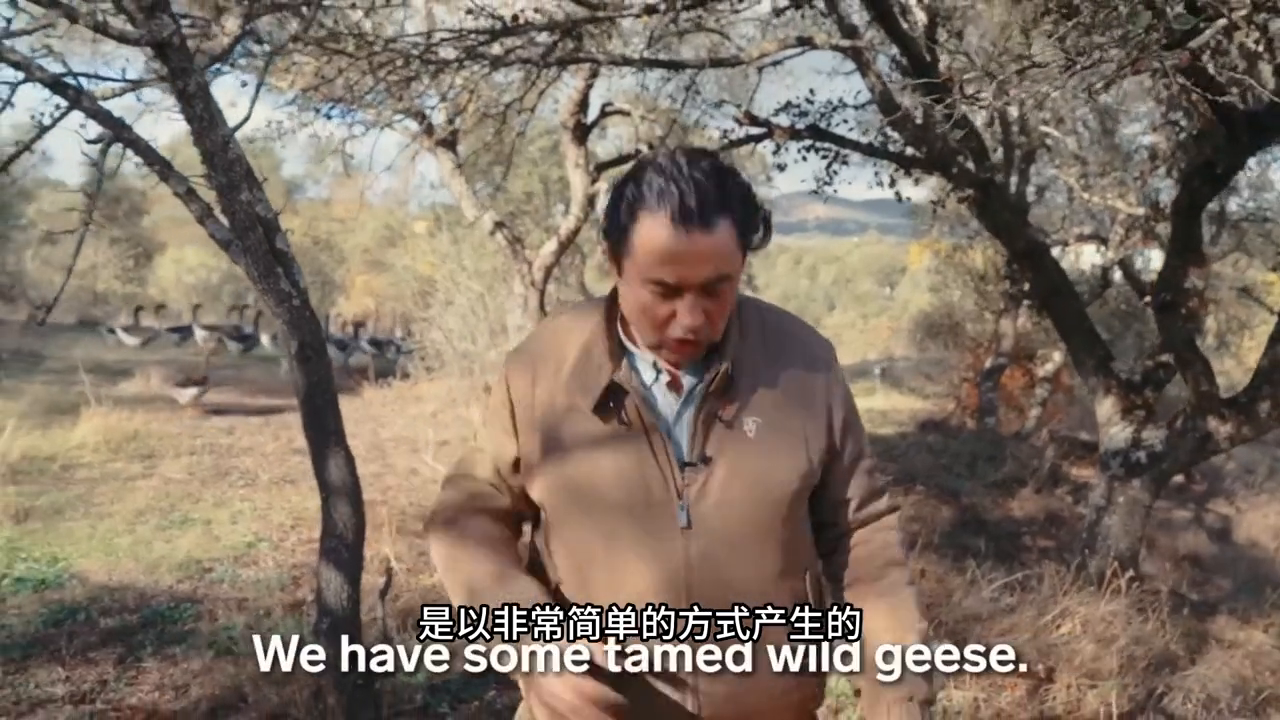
{"type": "Point", "coordinates": [661, 224]}
{"type": "Point", "coordinates": [668, 245]}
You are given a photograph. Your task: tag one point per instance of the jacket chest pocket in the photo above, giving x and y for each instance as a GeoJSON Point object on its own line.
{"type": "Point", "coordinates": [772, 462]}
{"type": "Point", "coordinates": [584, 468]}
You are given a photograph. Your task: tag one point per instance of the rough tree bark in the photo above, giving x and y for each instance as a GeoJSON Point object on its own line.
{"type": "Point", "coordinates": [254, 240]}
{"type": "Point", "coordinates": [275, 275]}
{"type": "Point", "coordinates": [1044, 371]}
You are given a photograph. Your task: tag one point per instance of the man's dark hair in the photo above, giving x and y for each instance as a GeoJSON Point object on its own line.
{"type": "Point", "coordinates": [695, 187]}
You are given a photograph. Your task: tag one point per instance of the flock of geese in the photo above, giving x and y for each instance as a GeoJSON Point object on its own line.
{"type": "Point", "coordinates": [354, 347]}
{"type": "Point", "coordinates": [235, 337]}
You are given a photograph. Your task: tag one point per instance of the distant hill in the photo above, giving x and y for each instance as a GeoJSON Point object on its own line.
{"type": "Point", "coordinates": [803, 214]}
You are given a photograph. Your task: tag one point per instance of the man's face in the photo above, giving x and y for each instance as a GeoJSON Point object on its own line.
{"type": "Point", "coordinates": [677, 286]}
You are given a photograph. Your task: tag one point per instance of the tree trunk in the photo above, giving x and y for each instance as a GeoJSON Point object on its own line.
{"type": "Point", "coordinates": [1116, 523]}
{"type": "Point", "coordinates": [1128, 487]}
{"type": "Point", "coordinates": [340, 565]}
{"type": "Point", "coordinates": [580, 282]}
{"type": "Point", "coordinates": [524, 310]}
{"type": "Point", "coordinates": [262, 250]}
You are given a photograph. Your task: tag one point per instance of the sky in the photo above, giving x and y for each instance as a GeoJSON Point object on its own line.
{"type": "Point", "coordinates": [159, 122]}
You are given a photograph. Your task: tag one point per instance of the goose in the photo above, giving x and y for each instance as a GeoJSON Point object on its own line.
{"type": "Point", "coordinates": [267, 339]}
{"type": "Point", "coordinates": [243, 341]}
{"type": "Point", "coordinates": [401, 352]}
{"type": "Point", "coordinates": [189, 389]}
{"type": "Point", "coordinates": [107, 332]}
{"type": "Point", "coordinates": [154, 321]}
{"type": "Point", "coordinates": [209, 336]}
{"type": "Point", "coordinates": [240, 311]}
{"type": "Point", "coordinates": [372, 344]}
{"type": "Point", "coordinates": [179, 334]}
{"type": "Point", "coordinates": [345, 348]}
{"type": "Point", "coordinates": [404, 341]}
{"type": "Point", "coordinates": [406, 349]}
{"type": "Point", "coordinates": [340, 346]}
{"type": "Point", "coordinates": [135, 335]}
{"type": "Point", "coordinates": [390, 347]}
{"type": "Point", "coordinates": [360, 341]}
{"type": "Point", "coordinates": [348, 350]}
{"type": "Point", "coordinates": [362, 355]}
{"type": "Point", "coordinates": [397, 349]}
{"type": "Point", "coordinates": [185, 388]}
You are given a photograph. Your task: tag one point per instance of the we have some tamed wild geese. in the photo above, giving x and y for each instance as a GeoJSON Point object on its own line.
{"type": "Point", "coordinates": [135, 334]}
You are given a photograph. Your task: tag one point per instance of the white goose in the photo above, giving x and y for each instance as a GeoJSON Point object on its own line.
{"type": "Point", "coordinates": [135, 334]}
{"type": "Point", "coordinates": [210, 336]}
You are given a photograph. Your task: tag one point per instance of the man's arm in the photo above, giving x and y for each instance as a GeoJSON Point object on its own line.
{"type": "Point", "coordinates": [473, 535]}
{"type": "Point", "coordinates": [855, 525]}
{"type": "Point", "coordinates": [474, 528]}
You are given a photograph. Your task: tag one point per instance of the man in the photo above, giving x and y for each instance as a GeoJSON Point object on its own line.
{"type": "Point", "coordinates": [677, 443]}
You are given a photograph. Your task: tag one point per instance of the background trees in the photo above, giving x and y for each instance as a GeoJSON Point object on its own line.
{"type": "Point", "coordinates": [1131, 126]}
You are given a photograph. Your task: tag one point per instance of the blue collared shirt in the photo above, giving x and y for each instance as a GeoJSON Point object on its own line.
{"type": "Point", "coordinates": [675, 409]}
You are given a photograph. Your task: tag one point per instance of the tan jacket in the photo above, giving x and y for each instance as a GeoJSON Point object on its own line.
{"type": "Point", "coordinates": [786, 506]}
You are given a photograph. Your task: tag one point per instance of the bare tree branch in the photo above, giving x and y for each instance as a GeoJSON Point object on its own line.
{"type": "Point", "coordinates": [122, 131]}
{"type": "Point", "coordinates": [27, 145]}
{"type": "Point", "coordinates": [96, 23]}
{"type": "Point", "coordinates": [92, 194]}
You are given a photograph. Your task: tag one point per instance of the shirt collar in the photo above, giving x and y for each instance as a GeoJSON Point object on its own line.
{"type": "Point", "coordinates": [600, 360]}
{"type": "Point", "coordinates": [652, 369]}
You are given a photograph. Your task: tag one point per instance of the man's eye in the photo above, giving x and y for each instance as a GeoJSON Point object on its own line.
{"type": "Point", "coordinates": [667, 293]}
{"type": "Point", "coordinates": [712, 292]}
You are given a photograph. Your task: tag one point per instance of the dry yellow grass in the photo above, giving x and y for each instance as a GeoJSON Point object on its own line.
{"type": "Point", "coordinates": [140, 546]}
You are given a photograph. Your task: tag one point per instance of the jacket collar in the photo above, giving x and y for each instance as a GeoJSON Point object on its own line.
{"type": "Point", "coordinates": [600, 365]}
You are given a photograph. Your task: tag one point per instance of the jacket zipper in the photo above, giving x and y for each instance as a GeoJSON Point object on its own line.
{"type": "Point", "coordinates": [680, 484]}
{"type": "Point", "coordinates": [697, 448]}
{"type": "Point", "coordinates": [697, 445]}
{"type": "Point", "coordinates": [673, 471]}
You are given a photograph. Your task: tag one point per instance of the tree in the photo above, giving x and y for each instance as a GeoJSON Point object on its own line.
{"type": "Point", "coordinates": [178, 51]}
{"type": "Point", "coordinates": [372, 69]}
{"type": "Point", "coordinates": [997, 101]}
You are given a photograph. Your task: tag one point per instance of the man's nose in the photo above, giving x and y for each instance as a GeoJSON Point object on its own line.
{"type": "Point", "coordinates": [690, 314]}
